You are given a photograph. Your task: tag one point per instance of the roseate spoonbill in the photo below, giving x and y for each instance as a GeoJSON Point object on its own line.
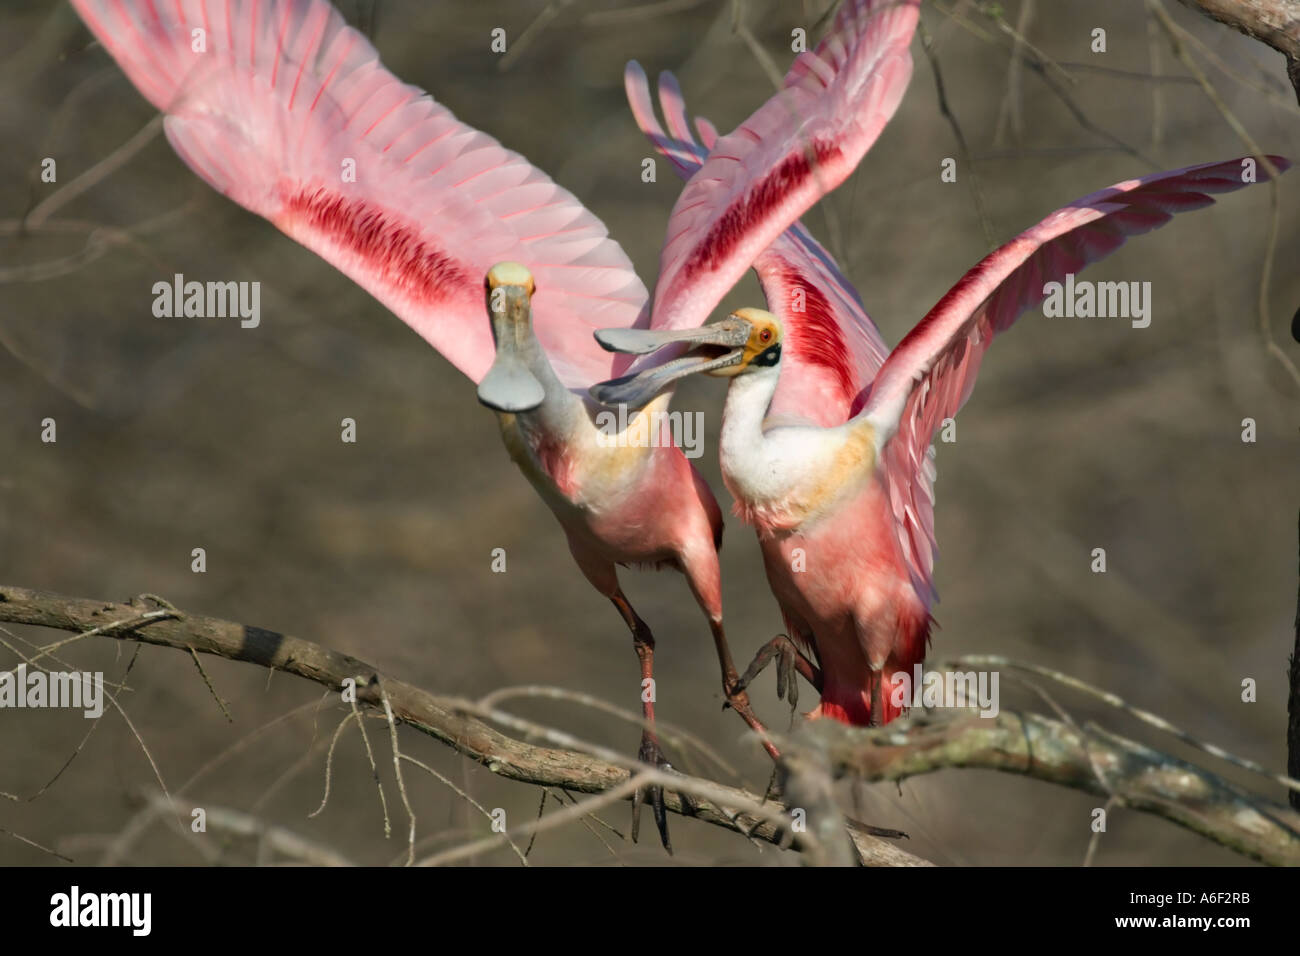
{"type": "Point", "coordinates": [826, 435]}
{"type": "Point", "coordinates": [283, 108]}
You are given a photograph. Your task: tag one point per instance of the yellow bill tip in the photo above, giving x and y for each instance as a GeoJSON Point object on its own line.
{"type": "Point", "coordinates": [510, 273]}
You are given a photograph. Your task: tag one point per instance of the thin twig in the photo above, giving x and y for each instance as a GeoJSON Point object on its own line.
{"type": "Point", "coordinates": [591, 829]}
{"type": "Point", "coordinates": [675, 736]}
{"type": "Point", "coordinates": [761, 55]}
{"type": "Point", "coordinates": [397, 771]}
{"type": "Point", "coordinates": [968, 166]}
{"type": "Point", "coordinates": [1095, 840]}
{"type": "Point", "coordinates": [1056, 79]}
{"type": "Point", "coordinates": [442, 778]}
{"type": "Point", "coordinates": [450, 721]}
{"type": "Point", "coordinates": [32, 843]}
{"type": "Point", "coordinates": [1274, 190]}
{"type": "Point", "coordinates": [1011, 112]}
{"type": "Point", "coordinates": [329, 762]}
{"type": "Point", "coordinates": [374, 767]}
{"type": "Point", "coordinates": [92, 176]}
{"type": "Point", "coordinates": [567, 815]}
{"type": "Point", "coordinates": [212, 690]}
{"type": "Point", "coordinates": [531, 33]}
{"type": "Point", "coordinates": [1157, 93]}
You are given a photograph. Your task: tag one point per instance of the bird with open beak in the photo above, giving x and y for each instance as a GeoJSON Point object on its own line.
{"type": "Point", "coordinates": [832, 462]}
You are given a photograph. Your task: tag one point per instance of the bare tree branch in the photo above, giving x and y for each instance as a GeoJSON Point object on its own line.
{"type": "Point", "coordinates": [448, 721]}
{"type": "Point", "coordinates": [1057, 751]}
{"type": "Point", "coordinates": [159, 807]}
{"type": "Point", "coordinates": [1139, 777]}
{"type": "Point", "coordinates": [1272, 22]}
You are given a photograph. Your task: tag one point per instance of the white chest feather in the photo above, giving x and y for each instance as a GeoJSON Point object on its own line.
{"type": "Point", "coordinates": [787, 476]}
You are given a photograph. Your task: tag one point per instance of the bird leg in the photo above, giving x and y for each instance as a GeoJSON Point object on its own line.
{"type": "Point", "coordinates": [650, 753]}
{"type": "Point", "coordinates": [790, 661]}
{"type": "Point", "coordinates": [734, 690]}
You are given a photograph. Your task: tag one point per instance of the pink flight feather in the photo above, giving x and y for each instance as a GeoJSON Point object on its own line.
{"type": "Point", "coordinates": [930, 374]}
{"type": "Point", "coordinates": [283, 107]}
{"type": "Point", "coordinates": [832, 349]}
{"type": "Point", "coordinates": [798, 146]}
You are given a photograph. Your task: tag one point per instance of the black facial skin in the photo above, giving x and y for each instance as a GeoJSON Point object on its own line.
{"type": "Point", "coordinates": [767, 358]}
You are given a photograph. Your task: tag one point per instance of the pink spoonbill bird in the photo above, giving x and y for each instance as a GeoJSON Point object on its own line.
{"type": "Point", "coordinates": [286, 110]}
{"type": "Point", "coordinates": [826, 434]}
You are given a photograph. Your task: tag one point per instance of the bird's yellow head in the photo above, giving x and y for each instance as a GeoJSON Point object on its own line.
{"type": "Point", "coordinates": [509, 385]}
{"type": "Point", "coordinates": [508, 274]}
{"type": "Point", "coordinates": [762, 348]}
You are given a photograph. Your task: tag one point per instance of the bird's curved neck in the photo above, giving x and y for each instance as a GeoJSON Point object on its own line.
{"type": "Point", "coordinates": [748, 399]}
{"type": "Point", "coordinates": [788, 474]}
{"type": "Point", "coordinates": [561, 409]}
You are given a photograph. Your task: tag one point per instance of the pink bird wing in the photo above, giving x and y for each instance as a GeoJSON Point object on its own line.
{"type": "Point", "coordinates": [832, 349]}
{"type": "Point", "coordinates": [281, 106]}
{"type": "Point", "coordinates": [797, 147]}
{"type": "Point", "coordinates": [929, 376]}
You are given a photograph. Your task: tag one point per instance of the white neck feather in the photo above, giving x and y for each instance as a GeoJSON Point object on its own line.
{"type": "Point", "coordinates": [748, 399]}
{"type": "Point", "coordinates": [789, 474]}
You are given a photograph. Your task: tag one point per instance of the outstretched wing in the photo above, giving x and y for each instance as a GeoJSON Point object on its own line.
{"type": "Point", "coordinates": [281, 106]}
{"type": "Point", "coordinates": [801, 144]}
{"type": "Point", "coordinates": [929, 376]}
{"type": "Point", "coordinates": [832, 349]}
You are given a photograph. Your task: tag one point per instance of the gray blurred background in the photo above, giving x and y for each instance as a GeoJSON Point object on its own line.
{"type": "Point", "coordinates": [176, 434]}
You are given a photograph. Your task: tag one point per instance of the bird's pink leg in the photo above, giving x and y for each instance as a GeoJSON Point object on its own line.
{"type": "Point", "coordinates": [604, 578]}
{"type": "Point", "coordinates": [643, 643]}
{"type": "Point", "coordinates": [737, 698]}
{"type": "Point", "coordinates": [705, 579]}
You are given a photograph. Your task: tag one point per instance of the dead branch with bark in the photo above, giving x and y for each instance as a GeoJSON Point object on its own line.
{"type": "Point", "coordinates": [1058, 751]}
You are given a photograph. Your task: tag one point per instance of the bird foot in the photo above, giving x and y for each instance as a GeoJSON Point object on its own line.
{"type": "Point", "coordinates": [790, 662]}
{"type": "Point", "coordinates": [652, 755]}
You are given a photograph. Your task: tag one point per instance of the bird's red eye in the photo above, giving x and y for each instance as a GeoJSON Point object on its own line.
{"type": "Point", "coordinates": [765, 335]}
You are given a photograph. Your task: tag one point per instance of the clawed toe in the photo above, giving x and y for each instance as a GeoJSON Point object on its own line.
{"type": "Point", "coordinates": [790, 664]}
{"type": "Point", "coordinates": [652, 755]}
{"type": "Point", "coordinates": [787, 685]}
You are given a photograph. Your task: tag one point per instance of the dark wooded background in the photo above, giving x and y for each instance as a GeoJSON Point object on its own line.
{"type": "Point", "coordinates": [175, 434]}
